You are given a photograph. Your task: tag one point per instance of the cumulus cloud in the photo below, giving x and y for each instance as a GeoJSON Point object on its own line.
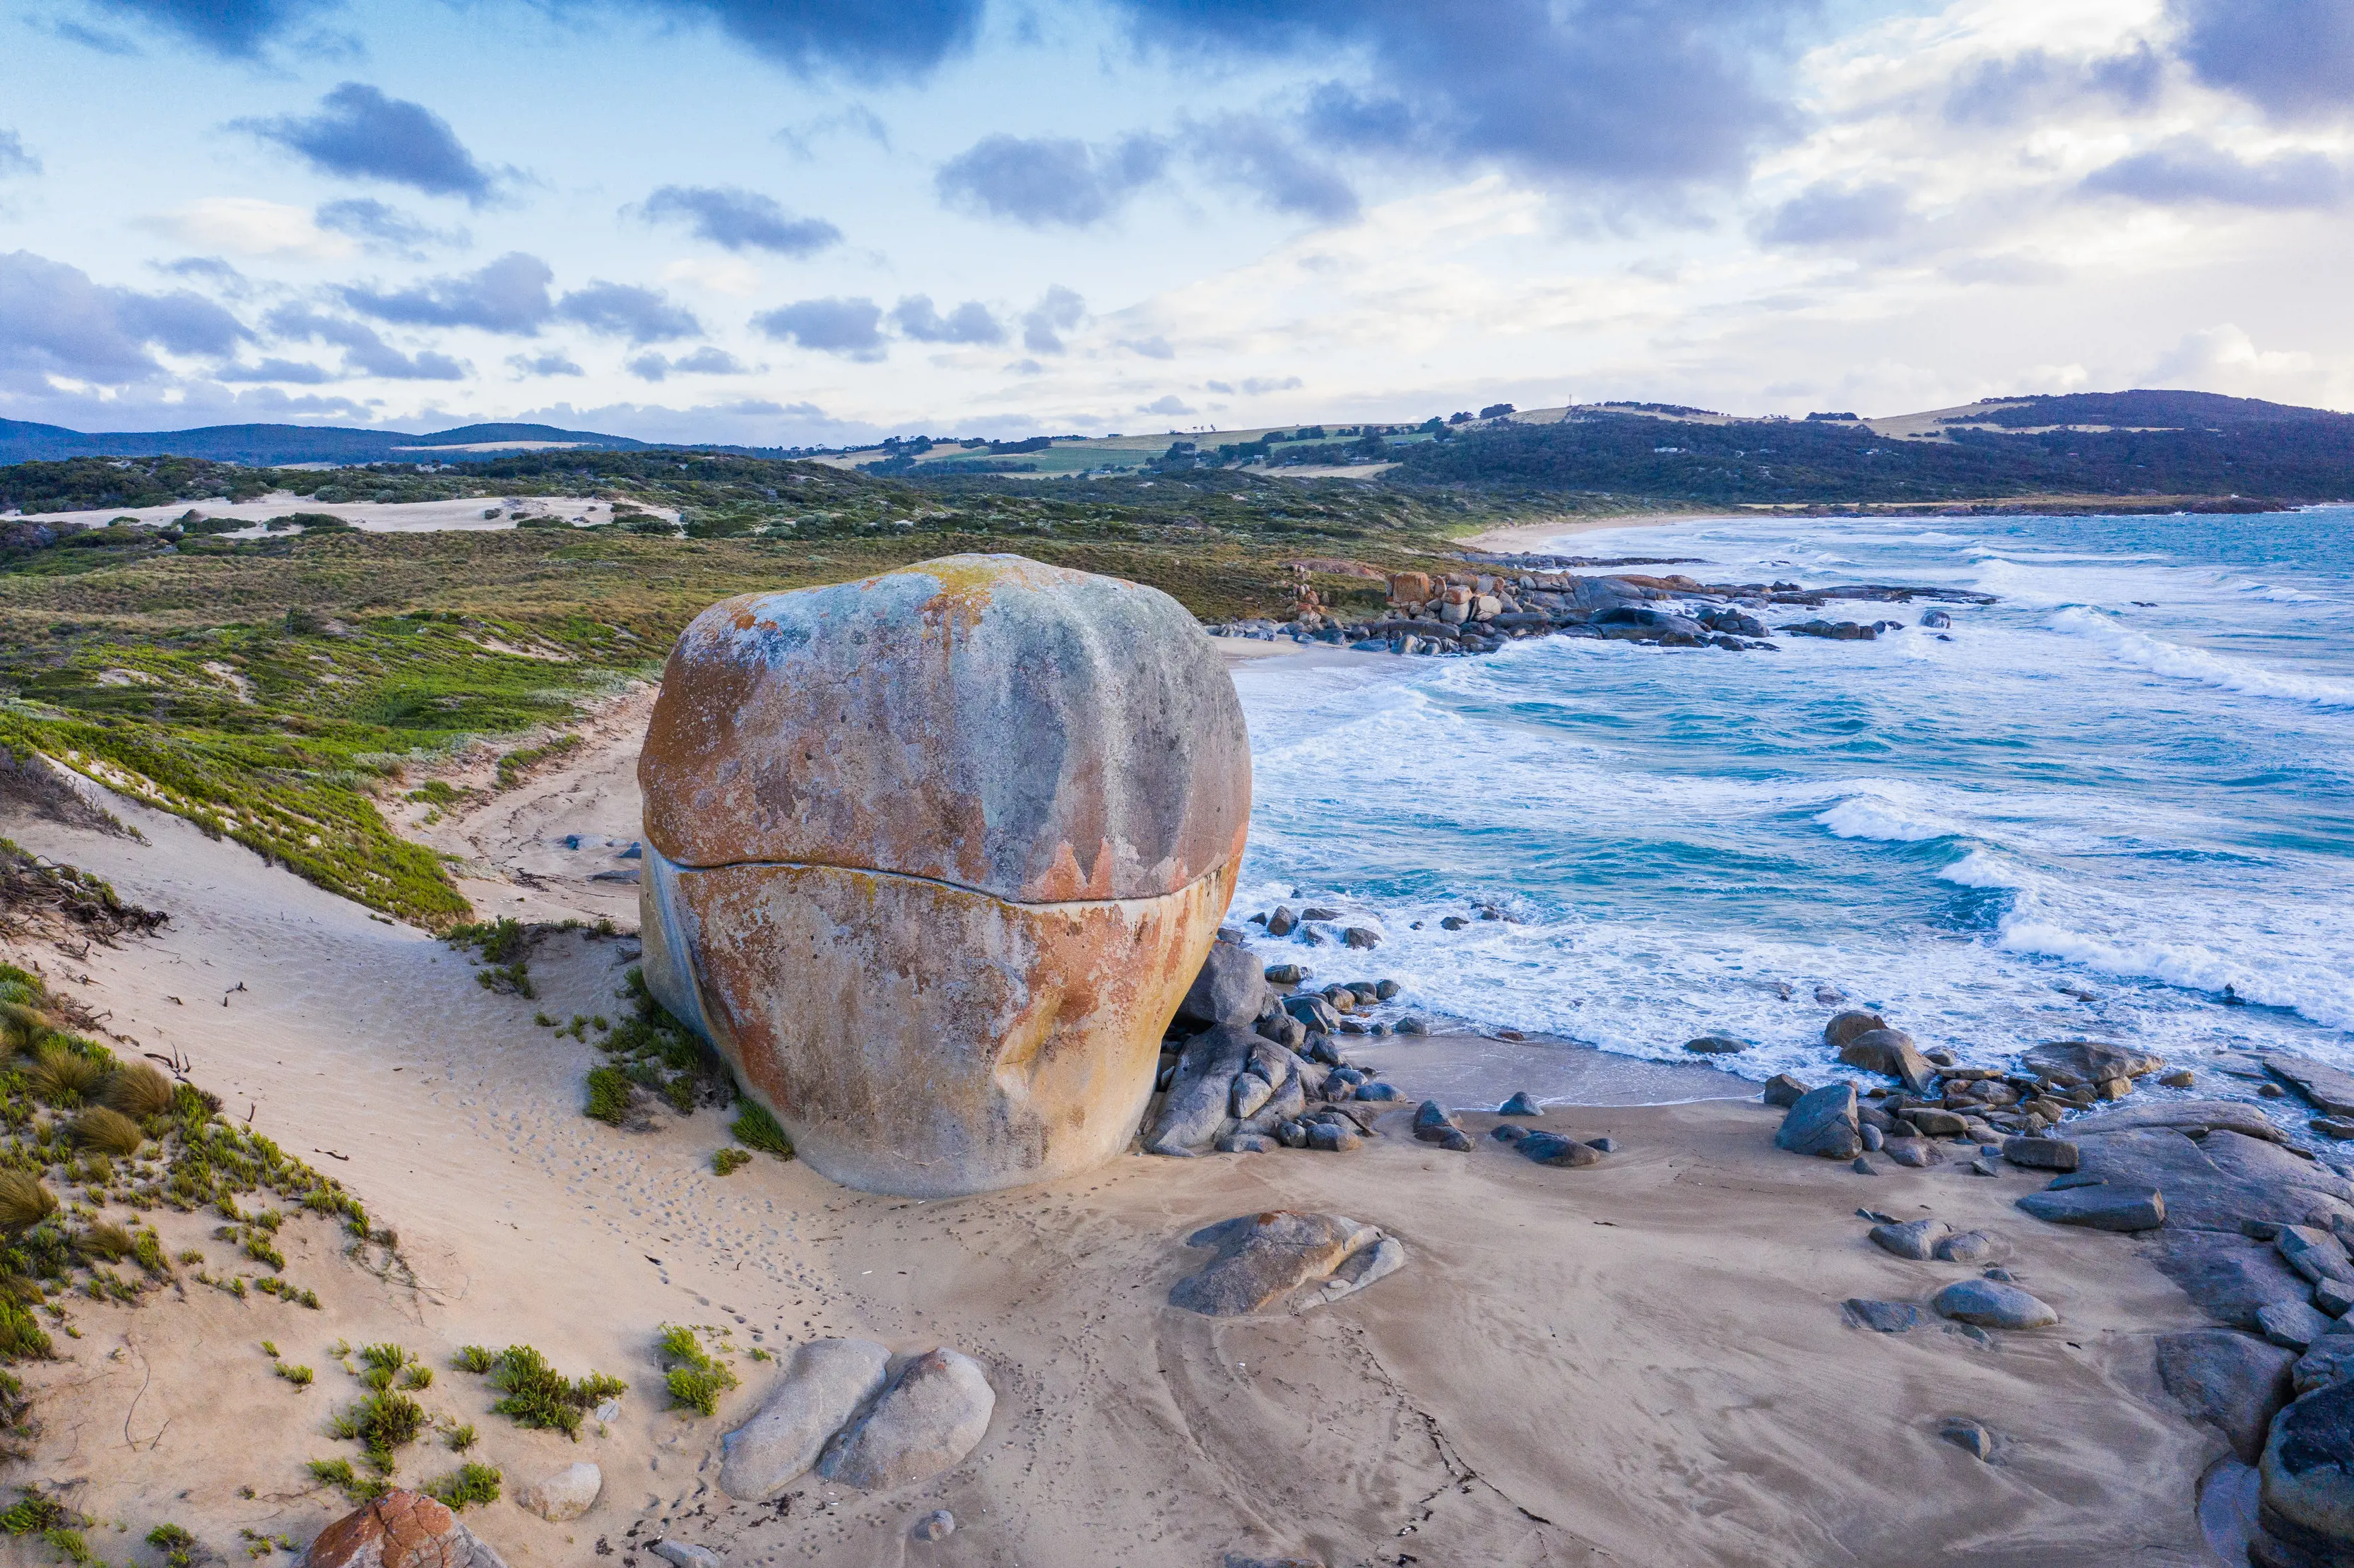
{"type": "Point", "coordinates": [360, 133]}
{"type": "Point", "coordinates": [849, 327]}
{"type": "Point", "coordinates": [251, 226]}
{"type": "Point", "coordinates": [556, 362]}
{"type": "Point", "coordinates": [624, 310]}
{"type": "Point", "coordinates": [2187, 170]}
{"type": "Point", "coordinates": [1257, 385]}
{"type": "Point", "coordinates": [383, 229]}
{"type": "Point", "coordinates": [857, 38]}
{"type": "Point", "coordinates": [1610, 92]}
{"type": "Point", "coordinates": [13, 159]}
{"type": "Point", "coordinates": [740, 219]}
{"type": "Point", "coordinates": [704, 361]}
{"type": "Point", "coordinates": [295, 372]}
{"type": "Point", "coordinates": [1058, 309]}
{"type": "Point", "coordinates": [1828, 214]}
{"type": "Point", "coordinates": [509, 295]}
{"type": "Point", "coordinates": [915, 317]}
{"type": "Point", "coordinates": [1253, 153]}
{"type": "Point", "coordinates": [236, 29]}
{"type": "Point", "coordinates": [2292, 58]}
{"type": "Point", "coordinates": [1154, 347]}
{"type": "Point", "coordinates": [55, 320]}
{"type": "Point", "coordinates": [2034, 83]}
{"type": "Point", "coordinates": [1169, 403]}
{"type": "Point", "coordinates": [1049, 181]}
{"type": "Point", "coordinates": [364, 353]}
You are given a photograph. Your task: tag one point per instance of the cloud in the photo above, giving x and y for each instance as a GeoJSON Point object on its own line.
{"type": "Point", "coordinates": [236, 29]}
{"type": "Point", "coordinates": [2225, 357]}
{"type": "Point", "coordinates": [1566, 91]}
{"type": "Point", "coordinates": [741, 219]}
{"type": "Point", "coordinates": [1257, 385]}
{"type": "Point", "coordinates": [2186, 170]}
{"type": "Point", "coordinates": [364, 353]}
{"type": "Point", "coordinates": [249, 227]}
{"type": "Point", "coordinates": [850, 328]}
{"type": "Point", "coordinates": [968, 322]}
{"type": "Point", "coordinates": [1046, 181]}
{"type": "Point", "coordinates": [857, 38]}
{"type": "Point", "coordinates": [856, 120]}
{"type": "Point", "coordinates": [55, 320]}
{"type": "Point", "coordinates": [1253, 153]}
{"type": "Point", "coordinates": [297, 372]}
{"type": "Point", "coordinates": [704, 361]}
{"type": "Point", "coordinates": [1154, 347]}
{"type": "Point", "coordinates": [360, 133]}
{"type": "Point", "coordinates": [554, 363]}
{"type": "Point", "coordinates": [2292, 58]}
{"type": "Point", "coordinates": [1170, 404]}
{"type": "Point", "coordinates": [2035, 82]}
{"type": "Point", "coordinates": [1827, 214]}
{"type": "Point", "coordinates": [105, 43]}
{"type": "Point", "coordinates": [510, 295]}
{"type": "Point", "coordinates": [383, 229]}
{"type": "Point", "coordinates": [624, 310]}
{"type": "Point", "coordinates": [13, 159]}
{"type": "Point", "coordinates": [1058, 309]}
{"type": "Point", "coordinates": [211, 269]}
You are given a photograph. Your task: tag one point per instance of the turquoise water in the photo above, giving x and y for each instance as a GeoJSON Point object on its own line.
{"type": "Point", "coordinates": [2125, 786]}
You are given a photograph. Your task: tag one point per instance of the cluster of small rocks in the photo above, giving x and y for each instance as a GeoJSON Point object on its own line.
{"type": "Point", "coordinates": [1480, 611]}
{"type": "Point", "coordinates": [1250, 1064]}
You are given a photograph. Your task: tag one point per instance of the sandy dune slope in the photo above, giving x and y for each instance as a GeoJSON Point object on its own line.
{"type": "Point", "coordinates": [1643, 1362]}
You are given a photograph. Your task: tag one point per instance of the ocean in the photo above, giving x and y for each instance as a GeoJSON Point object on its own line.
{"type": "Point", "coordinates": [2080, 814]}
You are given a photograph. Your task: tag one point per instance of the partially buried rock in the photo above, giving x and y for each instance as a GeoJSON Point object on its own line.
{"type": "Point", "coordinates": [826, 1383]}
{"type": "Point", "coordinates": [1783, 1091]}
{"type": "Point", "coordinates": [1284, 1262]}
{"type": "Point", "coordinates": [1918, 1153]}
{"type": "Point", "coordinates": [686, 1554]}
{"type": "Point", "coordinates": [1553, 1149]}
{"type": "Point", "coordinates": [1715, 1045]}
{"type": "Point", "coordinates": [1968, 1435]}
{"type": "Point", "coordinates": [1823, 1123]}
{"type": "Point", "coordinates": [1882, 1316]}
{"type": "Point", "coordinates": [1971, 1248]}
{"type": "Point", "coordinates": [567, 1494]}
{"type": "Point", "coordinates": [1990, 1304]}
{"type": "Point", "coordinates": [2042, 1153]}
{"type": "Point", "coordinates": [399, 1530]}
{"type": "Point", "coordinates": [936, 1525]}
{"type": "Point", "coordinates": [933, 1414]}
{"type": "Point", "coordinates": [1915, 1239]}
{"type": "Point", "coordinates": [1520, 1104]}
{"type": "Point", "coordinates": [932, 857]}
{"type": "Point", "coordinates": [1433, 1124]}
{"type": "Point", "coordinates": [2099, 1207]}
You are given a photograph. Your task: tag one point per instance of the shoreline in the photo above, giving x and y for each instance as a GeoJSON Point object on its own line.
{"type": "Point", "coordinates": [1521, 537]}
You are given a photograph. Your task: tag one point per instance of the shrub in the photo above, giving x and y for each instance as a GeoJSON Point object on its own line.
{"type": "Point", "coordinates": [540, 1396]}
{"type": "Point", "coordinates": [416, 1375]}
{"type": "Point", "coordinates": [755, 1128]}
{"type": "Point", "coordinates": [111, 1242]}
{"type": "Point", "coordinates": [21, 1338]}
{"type": "Point", "coordinates": [338, 1473]}
{"type": "Point", "coordinates": [609, 1095]}
{"type": "Point", "coordinates": [382, 1421]}
{"type": "Point", "coordinates": [468, 1484]}
{"type": "Point", "coordinates": [23, 1201]}
{"type": "Point", "coordinates": [178, 1547]}
{"type": "Point", "coordinates": [473, 1359]}
{"type": "Point", "coordinates": [299, 1376]}
{"type": "Point", "coordinates": [460, 1438]}
{"type": "Point", "coordinates": [139, 1091]}
{"type": "Point", "coordinates": [727, 1161]}
{"type": "Point", "coordinates": [62, 1076]}
{"type": "Point", "coordinates": [696, 1379]}
{"type": "Point", "coordinates": [33, 1514]}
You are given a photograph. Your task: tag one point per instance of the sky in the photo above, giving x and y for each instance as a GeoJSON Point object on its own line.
{"type": "Point", "coordinates": [822, 222]}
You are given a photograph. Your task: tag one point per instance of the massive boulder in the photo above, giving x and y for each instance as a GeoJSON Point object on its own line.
{"type": "Point", "coordinates": [932, 857]}
{"type": "Point", "coordinates": [399, 1530]}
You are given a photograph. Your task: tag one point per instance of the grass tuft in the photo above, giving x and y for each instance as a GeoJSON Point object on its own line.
{"type": "Point", "coordinates": [468, 1484]}
{"type": "Point", "coordinates": [695, 1378]}
{"type": "Point", "coordinates": [755, 1128]}
{"type": "Point", "coordinates": [536, 1394]}
{"type": "Point", "coordinates": [107, 1131]}
{"type": "Point", "coordinates": [460, 1438]}
{"type": "Point", "coordinates": [23, 1201]}
{"type": "Point", "coordinates": [474, 1359]}
{"type": "Point", "coordinates": [609, 1095]}
{"type": "Point", "coordinates": [727, 1161]}
{"type": "Point", "coordinates": [62, 1076]}
{"type": "Point", "coordinates": [139, 1091]}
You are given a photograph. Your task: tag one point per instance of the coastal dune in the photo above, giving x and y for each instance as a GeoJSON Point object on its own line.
{"type": "Point", "coordinates": [1643, 1361]}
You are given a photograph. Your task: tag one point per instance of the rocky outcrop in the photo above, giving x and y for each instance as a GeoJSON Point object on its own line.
{"type": "Point", "coordinates": [2231, 1380]}
{"type": "Point", "coordinates": [399, 1530]}
{"type": "Point", "coordinates": [1284, 1262]}
{"type": "Point", "coordinates": [932, 857]}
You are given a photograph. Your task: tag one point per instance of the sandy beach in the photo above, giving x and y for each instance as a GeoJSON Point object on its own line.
{"type": "Point", "coordinates": [1643, 1362]}
{"type": "Point", "coordinates": [473, 513]}
{"type": "Point", "coordinates": [1535, 536]}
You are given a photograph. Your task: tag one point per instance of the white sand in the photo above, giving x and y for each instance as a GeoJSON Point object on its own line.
{"type": "Point", "coordinates": [389, 517]}
{"type": "Point", "coordinates": [1536, 537]}
{"type": "Point", "coordinates": [1638, 1364]}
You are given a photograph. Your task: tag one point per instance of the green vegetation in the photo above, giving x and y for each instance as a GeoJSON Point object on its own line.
{"type": "Point", "coordinates": [460, 1438]}
{"type": "Point", "coordinates": [179, 1547]}
{"type": "Point", "coordinates": [755, 1127]}
{"type": "Point", "coordinates": [299, 1376]}
{"type": "Point", "coordinates": [382, 1421]}
{"type": "Point", "coordinates": [695, 1378]}
{"type": "Point", "coordinates": [339, 1474]}
{"type": "Point", "coordinates": [471, 1483]}
{"type": "Point", "coordinates": [504, 947]}
{"type": "Point", "coordinates": [652, 1049]}
{"type": "Point", "coordinates": [536, 1393]}
{"type": "Point", "coordinates": [474, 1359]}
{"type": "Point", "coordinates": [727, 1161]}
{"type": "Point", "coordinates": [608, 1095]}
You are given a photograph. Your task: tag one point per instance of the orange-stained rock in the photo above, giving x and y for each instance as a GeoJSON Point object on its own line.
{"type": "Point", "coordinates": [399, 1530]}
{"type": "Point", "coordinates": [931, 859]}
{"type": "Point", "coordinates": [1409, 587]}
